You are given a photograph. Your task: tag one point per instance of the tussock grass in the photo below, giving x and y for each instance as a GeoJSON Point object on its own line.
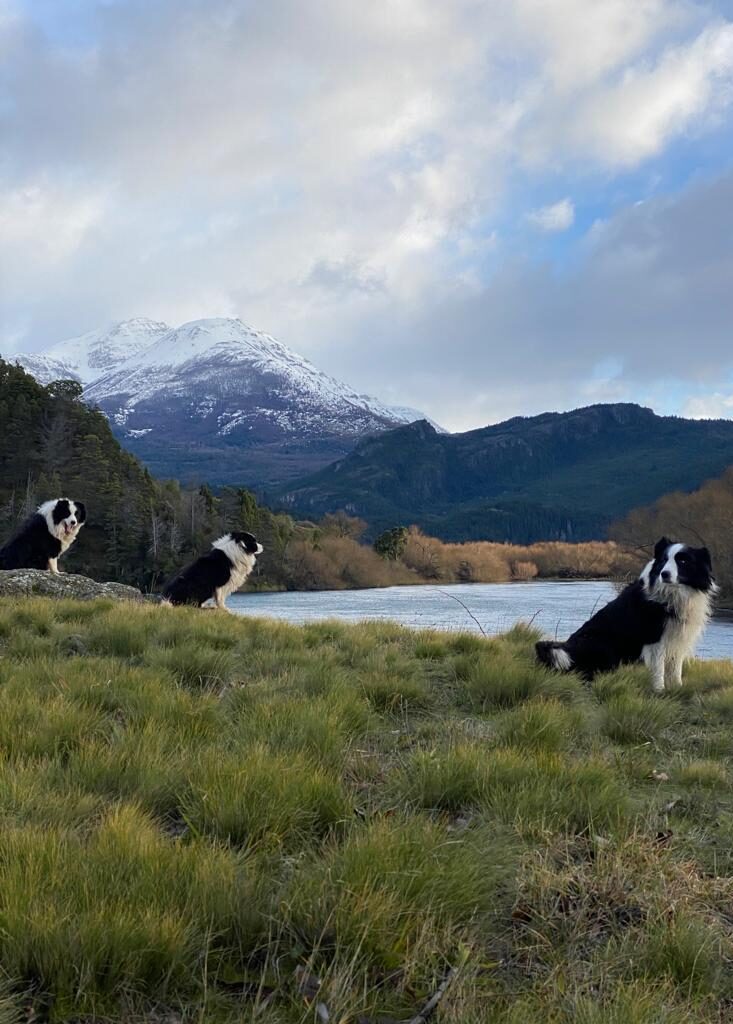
{"type": "Point", "coordinates": [89, 917]}
{"type": "Point", "coordinates": [194, 665]}
{"type": "Point", "coordinates": [544, 725]}
{"type": "Point", "coordinates": [497, 678]}
{"type": "Point", "coordinates": [322, 727]}
{"type": "Point", "coordinates": [707, 774]}
{"type": "Point", "coordinates": [251, 795]}
{"type": "Point", "coordinates": [534, 792]}
{"type": "Point", "coordinates": [384, 885]}
{"type": "Point", "coordinates": [633, 718]}
{"type": "Point", "coordinates": [193, 806]}
{"type": "Point", "coordinates": [720, 703]}
{"type": "Point", "coordinates": [689, 951]}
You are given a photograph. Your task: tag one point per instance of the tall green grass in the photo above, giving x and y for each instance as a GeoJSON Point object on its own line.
{"type": "Point", "coordinates": [196, 809]}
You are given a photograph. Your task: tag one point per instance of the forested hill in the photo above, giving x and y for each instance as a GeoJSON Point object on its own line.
{"type": "Point", "coordinates": [138, 529]}
{"type": "Point", "coordinates": [51, 444]}
{"type": "Point", "coordinates": [554, 476]}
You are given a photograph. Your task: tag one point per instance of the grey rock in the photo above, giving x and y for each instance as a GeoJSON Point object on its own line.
{"type": "Point", "coordinates": [41, 583]}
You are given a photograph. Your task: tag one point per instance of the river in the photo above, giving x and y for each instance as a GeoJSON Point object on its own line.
{"type": "Point", "coordinates": [555, 606]}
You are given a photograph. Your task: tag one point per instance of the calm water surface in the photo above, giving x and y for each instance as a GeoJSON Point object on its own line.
{"type": "Point", "coordinates": [556, 607]}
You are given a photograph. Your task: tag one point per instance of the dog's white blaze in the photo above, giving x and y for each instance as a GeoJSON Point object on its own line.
{"type": "Point", "coordinates": [66, 531]}
{"type": "Point", "coordinates": [561, 659]}
{"type": "Point", "coordinates": [670, 565]}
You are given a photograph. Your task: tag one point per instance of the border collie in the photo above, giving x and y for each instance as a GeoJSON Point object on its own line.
{"type": "Point", "coordinates": [44, 536]}
{"type": "Point", "coordinates": [217, 574]}
{"type": "Point", "coordinates": [658, 619]}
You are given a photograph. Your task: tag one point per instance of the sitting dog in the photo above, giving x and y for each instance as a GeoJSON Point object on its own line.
{"type": "Point", "coordinates": [44, 536]}
{"type": "Point", "coordinates": [657, 619]}
{"type": "Point", "coordinates": [217, 574]}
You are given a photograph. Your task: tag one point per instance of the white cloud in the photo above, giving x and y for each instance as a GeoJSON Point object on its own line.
{"type": "Point", "coordinates": [47, 221]}
{"type": "Point", "coordinates": [709, 407]}
{"type": "Point", "coordinates": [331, 171]}
{"type": "Point", "coordinates": [578, 43]}
{"type": "Point", "coordinates": [636, 117]}
{"type": "Point", "coordinates": [556, 217]}
{"type": "Point", "coordinates": [644, 317]}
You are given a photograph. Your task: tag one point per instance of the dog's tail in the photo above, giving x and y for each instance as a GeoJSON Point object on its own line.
{"type": "Point", "coordinates": [554, 655]}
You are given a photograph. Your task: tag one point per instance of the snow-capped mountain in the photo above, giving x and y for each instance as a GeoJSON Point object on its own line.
{"type": "Point", "coordinates": [92, 354]}
{"type": "Point", "coordinates": [215, 399]}
{"type": "Point", "coordinates": [225, 368]}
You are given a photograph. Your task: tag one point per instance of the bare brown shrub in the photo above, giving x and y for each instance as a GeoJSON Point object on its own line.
{"type": "Point", "coordinates": [329, 556]}
{"type": "Point", "coordinates": [426, 556]}
{"type": "Point", "coordinates": [524, 570]}
{"type": "Point", "coordinates": [335, 562]}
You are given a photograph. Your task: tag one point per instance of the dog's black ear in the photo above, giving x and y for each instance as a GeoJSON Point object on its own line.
{"type": "Point", "coordinates": [81, 511]}
{"type": "Point", "coordinates": [661, 546]}
{"type": "Point", "coordinates": [705, 555]}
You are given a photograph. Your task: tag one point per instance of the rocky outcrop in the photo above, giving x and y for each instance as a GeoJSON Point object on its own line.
{"type": "Point", "coordinates": [41, 583]}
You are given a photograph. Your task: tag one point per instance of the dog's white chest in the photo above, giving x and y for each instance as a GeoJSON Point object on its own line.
{"type": "Point", "coordinates": [238, 577]}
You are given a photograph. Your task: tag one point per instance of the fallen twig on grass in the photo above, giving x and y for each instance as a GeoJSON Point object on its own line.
{"type": "Point", "coordinates": [429, 1009]}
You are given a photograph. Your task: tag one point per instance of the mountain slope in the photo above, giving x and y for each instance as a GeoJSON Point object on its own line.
{"type": "Point", "coordinates": [215, 399]}
{"type": "Point", "coordinates": [554, 476]}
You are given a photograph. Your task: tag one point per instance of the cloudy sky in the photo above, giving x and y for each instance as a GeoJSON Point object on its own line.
{"type": "Point", "coordinates": [480, 208]}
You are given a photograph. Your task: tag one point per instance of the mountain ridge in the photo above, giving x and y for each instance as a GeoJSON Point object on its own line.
{"type": "Point", "coordinates": [554, 476]}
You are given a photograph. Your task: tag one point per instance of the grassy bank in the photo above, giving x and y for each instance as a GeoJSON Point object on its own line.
{"type": "Point", "coordinates": [201, 815]}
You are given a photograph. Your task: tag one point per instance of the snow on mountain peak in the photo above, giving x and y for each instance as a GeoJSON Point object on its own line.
{"type": "Point", "coordinates": [194, 356]}
{"type": "Point", "coordinates": [220, 337]}
{"type": "Point", "coordinates": [90, 355]}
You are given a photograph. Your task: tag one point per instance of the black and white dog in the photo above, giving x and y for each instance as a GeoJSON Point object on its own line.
{"type": "Point", "coordinates": [217, 574]}
{"type": "Point", "coordinates": [44, 536]}
{"type": "Point", "coordinates": [658, 619]}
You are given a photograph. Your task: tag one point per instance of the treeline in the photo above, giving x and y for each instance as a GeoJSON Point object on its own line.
{"type": "Point", "coordinates": [140, 530]}
{"type": "Point", "coordinates": [703, 517]}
